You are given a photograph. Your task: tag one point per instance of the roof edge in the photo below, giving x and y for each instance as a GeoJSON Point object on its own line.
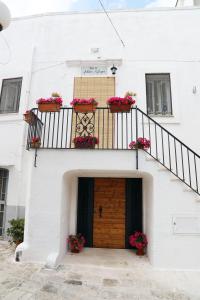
{"type": "Point", "coordinates": [143, 10]}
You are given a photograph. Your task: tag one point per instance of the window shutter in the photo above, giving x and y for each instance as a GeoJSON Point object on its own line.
{"type": "Point", "coordinates": [150, 96]}
{"type": "Point", "coordinates": [158, 94]}
{"type": "Point", "coordinates": [10, 95]}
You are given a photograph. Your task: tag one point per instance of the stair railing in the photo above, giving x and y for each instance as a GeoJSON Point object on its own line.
{"type": "Point", "coordinates": [57, 130]}
{"type": "Point", "coordinates": [169, 151]}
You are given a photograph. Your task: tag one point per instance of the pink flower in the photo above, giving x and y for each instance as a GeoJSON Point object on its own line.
{"type": "Point", "coordinates": [86, 140]}
{"type": "Point", "coordinates": [141, 143]}
{"type": "Point", "coordinates": [35, 140]}
{"type": "Point", "coordinates": [57, 100]}
{"type": "Point", "coordinates": [132, 144]}
{"type": "Point", "coordinates": [120, 101]}
{"type": "Point", "coordinates": [84, 101]}
{"type": "Point", "coordinates": [138, 240]}
{"type": "Point", "coordinates": [76, 242]}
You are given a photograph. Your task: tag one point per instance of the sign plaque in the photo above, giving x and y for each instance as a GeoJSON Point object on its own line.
{"type": "Point", "coordinates": [94, 71]}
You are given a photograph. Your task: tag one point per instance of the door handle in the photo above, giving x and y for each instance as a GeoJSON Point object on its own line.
{"type": "Point", "coordinates": [100, 211]}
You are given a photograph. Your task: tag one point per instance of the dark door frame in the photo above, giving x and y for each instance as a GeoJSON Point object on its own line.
{"type": "Point", "coordinates": [85, 208]}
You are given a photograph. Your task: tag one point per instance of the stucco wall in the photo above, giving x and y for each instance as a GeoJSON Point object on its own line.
{"type": "Point", "coordinates": [51, 211]}
{"type": "Point", "coordinates": [47, 51]}
{"type": "Point", "coordinates": [44, 50]}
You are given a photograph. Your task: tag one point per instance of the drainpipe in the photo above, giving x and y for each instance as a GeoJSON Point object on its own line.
{"type": "Point", "coordinates": [28, 92]}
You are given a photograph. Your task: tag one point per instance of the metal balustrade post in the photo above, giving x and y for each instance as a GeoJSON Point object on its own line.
{"type": "Point", "coordinates": [136, 129]}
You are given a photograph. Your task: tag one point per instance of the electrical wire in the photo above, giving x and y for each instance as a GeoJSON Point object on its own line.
{"type": "Point", "coordinates": [9, 50]}
{"type": "Point", "coordinates": [115, 29]}
{"type": "Point", "coordinates": [49, 67]}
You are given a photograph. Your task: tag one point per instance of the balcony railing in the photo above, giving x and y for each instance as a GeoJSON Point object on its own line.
{"type": "Point", "coordinates": [115, 132]}
{"type": "Point", "coordinates": [58, 130]}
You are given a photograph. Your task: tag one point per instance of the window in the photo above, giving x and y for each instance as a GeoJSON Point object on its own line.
{"type": "Point", "coordinates": [3, 191]}
{"type": "Point", "coordinates": [10, 95]}
{"type": "Point", "coordinates": [158, 89]}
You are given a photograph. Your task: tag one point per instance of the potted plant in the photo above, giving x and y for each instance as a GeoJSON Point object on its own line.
{"type": "Point", "coordinates": [118, 104]}
{"type": "Point", "coordinates": [138, 240]}
{"type": "Point", "coordinates": [30, 117]}
{"type": "Point", "coordinates": [84, 105]}
{"type": "Point", "coordinates": [16, 231]}
{"type": "Point", "coordinates": [141, 143]}
{"type": "Point", "coordinates": [85, 142]}
{"type": "Point", "coordinates": [76, 243]}
{"type": "Point", "coordinates": [35, 142]}
{"type": "Point", "coordinates": [52, 104]}
{"type": "Point", "coordinates": [129, 93]}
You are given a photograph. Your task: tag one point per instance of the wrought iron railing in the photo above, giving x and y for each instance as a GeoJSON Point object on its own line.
{"type": "Point", "coordinates": [115, 132]}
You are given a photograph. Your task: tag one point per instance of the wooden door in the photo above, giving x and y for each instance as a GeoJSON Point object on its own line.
{"type": "Point", "coordinates": [109, 213]}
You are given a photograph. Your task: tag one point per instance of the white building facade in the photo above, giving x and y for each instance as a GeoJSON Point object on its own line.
{"type": "Point", "coordinates": [55, 187]}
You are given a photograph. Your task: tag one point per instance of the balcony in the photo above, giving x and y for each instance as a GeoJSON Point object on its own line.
{"type": "Point", "coordinates": [57, 130]}
{"type": "Point", "coordinates": [115, 131]}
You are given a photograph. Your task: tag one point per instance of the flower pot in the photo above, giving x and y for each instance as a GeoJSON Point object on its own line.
{"type": "Point", "coordinates": [30, 118]}
{"type": "Point", "coordinates": [49, 107]}
{"type": "Point", "coordinates": [84, 145]}
{"type": "Point", "coordinates": [115, 108]}
{"type": "Point", "coordinates": [140, 252]}
{"type": "Point", "coordinates": [17, 242]}
{"type": "Point", "coordinates": [138, 147]}
{"type": "Point", "coordinates": [35, 145]}
{"type": "Point", "coordinates": [75, 251]}
{"type": "Point", "coordinates": [85, 108]}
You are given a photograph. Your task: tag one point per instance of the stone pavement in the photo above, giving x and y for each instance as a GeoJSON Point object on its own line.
{"type": "Point", "coordinates": [95, 274]}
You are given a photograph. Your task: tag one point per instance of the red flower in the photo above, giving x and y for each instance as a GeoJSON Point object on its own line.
{"type": "Point", "coordinates": [86, 140]}
{"type": "Point", "coordinates": [138, 240]}
{"type": "Point", "coordinates": [76, 242]}
{"type": "Point", "coordinates": [83, 101]}
{"type": "Point", "coordinates": [57, 100]}
{"type": "Point", "coordinates": [140, 143]}
{"type": "Point", "coordinates": [35, 140]}
{"type": "Point", "coordinates": [120, 101]}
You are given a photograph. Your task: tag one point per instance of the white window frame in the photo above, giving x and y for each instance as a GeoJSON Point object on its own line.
{"type": "Point", "coordinates": [18, 96]}
{"type": "Point", "coordinates": [157, 106]}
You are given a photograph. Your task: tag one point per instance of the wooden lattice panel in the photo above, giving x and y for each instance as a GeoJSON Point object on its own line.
{"type": "Point", "coordinates": [100, 88]}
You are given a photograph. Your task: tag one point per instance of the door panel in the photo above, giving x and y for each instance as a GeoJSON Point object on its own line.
{"type": "Point", "coordinates": [85, 209]}
{"type": "Point", "coordinates": [133, 207]}
{"type": "Point", "coordinates": [109, 213]}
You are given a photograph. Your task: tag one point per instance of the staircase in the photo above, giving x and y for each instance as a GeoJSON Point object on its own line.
{"type": "Point", "coordinates": [171, 153]}
{"type": "Point", "coordinates": [115, 131]}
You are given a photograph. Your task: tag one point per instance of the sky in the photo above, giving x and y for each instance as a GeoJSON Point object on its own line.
{"type": "Point", "coordinates": [29, 7]}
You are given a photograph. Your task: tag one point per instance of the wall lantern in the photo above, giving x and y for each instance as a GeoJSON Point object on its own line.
{"type": "Point", "coordinates": [5, 16]}
{"type": "Point", "coordinates": [113, 69]}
